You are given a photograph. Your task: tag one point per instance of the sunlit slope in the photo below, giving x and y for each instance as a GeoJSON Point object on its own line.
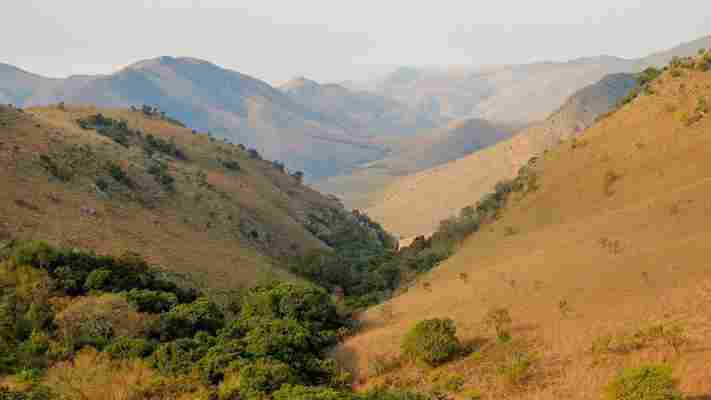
{"type": "Point", "coordinates": [415, 204]}
{"type": "Point", "coordinates": [618, 232]}
{"type": "Point", "coordinates": [360, 187]}
{"type": "Point", "coordinates": [225, 226]}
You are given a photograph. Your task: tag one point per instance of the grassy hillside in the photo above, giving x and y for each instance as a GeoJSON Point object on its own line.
{"type": "Point", "coordinates": [210, 98]}
{"type": "Point", "coordinates": [360, 187]}
{"type": "Point", "coordinates": [128, 181]}
{"type": "Point", "coordinates": [435, 194]}
{"type": "Point", "coordinates": [602, 267]}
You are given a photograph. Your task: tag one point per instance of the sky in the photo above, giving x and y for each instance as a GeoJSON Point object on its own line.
{"type": "Point", "coordinates": [336, 40]}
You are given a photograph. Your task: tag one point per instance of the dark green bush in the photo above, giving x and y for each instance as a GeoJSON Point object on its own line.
{"type": "Point", "coordinates": [180, 356]}
{"type": "Point", "coordinates": [232, 165]}
{"type": "Point", "coordinates": [124, 347]}
{"type": "Point", "coordinates": [296, 392]}
{"type": "Point", "coordinates": [185, 320]}
{"type": "Point", "coordinates": [154, 144]}
{"type": "Point", "coordinates": [76, 272]}
{"type": "Point", "coordinates": [650, 382]}
{"type": "Point", "coordinates": [151, 301]}
{"type": "Point", "coordinates": [115, 130]}
{"type": "Point", "coordinates": [118, 174]}
{"type": "Point", "coordinates": [310, 305]}
{"type": "Point", "coordinates": [432, 341]}
{"type": "Point", "coordinates": [218, 359]}
{"type": "Point", "coordinates": [264, 376]}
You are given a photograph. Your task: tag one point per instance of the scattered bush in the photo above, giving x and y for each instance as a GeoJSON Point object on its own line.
{"type": "Point", "coordinates": [650, 382]}
{"type": "Point", "coordinates": [231, 165]}
{"type": "Point", "coordinates": [154, 144]}
{"type": "Point", "coordinates": [517, 369]}
{"type": "Point", "coordinates": [500, 321]}
{"type": "Point", "coordinates": [432, 341]}
{"type": "Point", "coordinates": [118, 174]}
{"type": "Point", "coordinates": [161, 175]}
{"type": "Point", "coordinates": [115, 130]}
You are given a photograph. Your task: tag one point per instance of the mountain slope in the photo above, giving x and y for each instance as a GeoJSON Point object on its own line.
{"type": "Point", "coordinates": [613, 241]}
{"type": "Point", "coordinates": [227, 103]}
{"type": "Point", "coordinates": [367, 113]}
{"type": "Point", "coordinates": [433, 195]}
{"type": "Point", "coordinates": [149, 186]}
{"type": "Point", "coordinates": [518, 94]}
{"type": "Point", "coordinates": [409, 155]}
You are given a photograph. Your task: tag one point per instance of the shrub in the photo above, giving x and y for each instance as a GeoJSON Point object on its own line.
{"type": "Point", "coordinates": [432, 341]}
{"type": "Point", "coordinates": [97, 279]}
{"type": "Point", "coordinates": [517, 369]}
{"type": "Point", "coordinates": [310, 305]}
{"type": "Point", "coordinates": [231, 165]}
{"type": "Point", "coordinates": [650, 382]}
{"type": "Point", "coordinates": [264, 376]}
{"type": "Point", "coordinates": [96, 320]}
{"type": "Point", "coordinates": [185, 320]}
{"type": "Point", "coordinates": [161, 175]}
{"type": "Point", "coordinates": [93, 375]}
{"type": "Point", "coordinates": [154, 144]}
{"type": "Point", "coordinates": [500, 321]}
{"type": "Point", "coordinates": [217, 360]}
{"type": "Point", "coordinates": [151, 301]}
{"type": "Point", "coordinates": [295, 392]}
{"type": "Point", "coordinates": [125, 347]}
{"type": "Point", "coordinates": [179, 356]}
{"type": "Point", "coordinates": [118, 174]}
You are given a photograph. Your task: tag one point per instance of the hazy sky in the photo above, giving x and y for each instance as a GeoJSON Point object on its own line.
{"type": "Point", "coordinates": [333, 40]}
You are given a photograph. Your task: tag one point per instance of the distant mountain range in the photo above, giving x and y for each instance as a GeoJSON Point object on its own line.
{"type": "Point", "coordinates": [328, 129]}
{"type": "Point", "coordinates": [309, 136]}
{"type": "Point", "coordinates": [519, 94]}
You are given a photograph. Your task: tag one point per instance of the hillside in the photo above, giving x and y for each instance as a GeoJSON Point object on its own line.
{"type": "Point", "coordinates": [210, 98]}
{"type": "Point", "coordinates": [602, 264]}
{"type": "Point", "coordinates": [113, 180]}
{"type": "Point", "coordinates": [360, 186]}
{"type": "Point", "coordinates": [433, 195]}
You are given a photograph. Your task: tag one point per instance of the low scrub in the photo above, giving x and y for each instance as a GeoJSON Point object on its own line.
{"type": "Point", "coordinates": [650, 382]}
{"type": "Point", "coordinates": [432, 341]}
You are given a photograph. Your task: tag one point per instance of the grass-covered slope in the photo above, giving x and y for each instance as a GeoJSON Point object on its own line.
{"type": "Point", "coordinates": [603, 266]}
{"type": "Point", "coordinates": [136, 181]}
{"type": "Point", "coordinates": [429, 196]}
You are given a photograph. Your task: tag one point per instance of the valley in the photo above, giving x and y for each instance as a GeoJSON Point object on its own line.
{"type": "Point", "coordinates": [178, 230]}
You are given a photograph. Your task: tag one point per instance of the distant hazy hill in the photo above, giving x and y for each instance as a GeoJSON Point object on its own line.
{"type": "Point", "coordinates": [518, 94]}
{"type": "Point", "coordinates": [207, 97]}
{"type": "Point", "coordinates": [367, 113]}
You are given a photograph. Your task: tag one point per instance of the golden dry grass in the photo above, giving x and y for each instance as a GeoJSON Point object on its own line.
{"type": "Point", "coordinates": [617, 254]}
{"type": "Point", "coordinates": [198, 230]}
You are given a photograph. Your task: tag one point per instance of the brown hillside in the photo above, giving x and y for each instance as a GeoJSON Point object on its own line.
{"type": "Point", "coordinates": [361, 186]}
{"type": "Point", "coordinates": [225, 225]}
{"type": "Point", "coordinates": [432, 195]}
{"type": "Point", "coordinates": [615, 237]}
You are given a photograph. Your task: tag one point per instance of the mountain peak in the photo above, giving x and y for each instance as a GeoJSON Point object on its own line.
{"type": "Point", "coordinates": [300, 83]}
{"type": "Point", "coordinates": [165, 61]}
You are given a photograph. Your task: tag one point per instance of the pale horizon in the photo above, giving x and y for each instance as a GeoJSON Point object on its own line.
{"type": "Point", "coordinates": [337, 41]}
